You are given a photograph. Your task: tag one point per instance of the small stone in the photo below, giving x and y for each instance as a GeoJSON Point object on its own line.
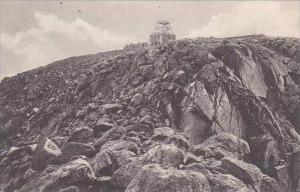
{"type": "Point", "coordinates": [103, 125]}
{"type": "Point", "coordinates": [70, 189]}
{"type": "Point", "coordinates": [112, 108]}
{"type": "Point", "coordinates": [137, 99]}
{"type": "Point", "coordinates": [81, 135]}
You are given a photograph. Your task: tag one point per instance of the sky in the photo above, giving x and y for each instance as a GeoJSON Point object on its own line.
{"type": "Point", "coordinates": [36, 33]}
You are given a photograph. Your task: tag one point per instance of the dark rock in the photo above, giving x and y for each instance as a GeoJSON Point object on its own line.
{"type": "Point", "coordinates": [81, 135]}
{"type": "Point", "coordinates": [112, 134]}
{"type": "Point", "coordinates": [103, 125]}
{"type": "Point", "coordinates": [269, 184]}
{"type": "Point", "coordinates": [247, 173]}
{"type": "Point", "coordinates": [72, 149]}
{"type": "Point", "coordinates": [102, 164]}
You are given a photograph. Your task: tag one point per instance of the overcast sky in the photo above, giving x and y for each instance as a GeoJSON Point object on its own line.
{"type": "Point", "coordinates": [35, 33]}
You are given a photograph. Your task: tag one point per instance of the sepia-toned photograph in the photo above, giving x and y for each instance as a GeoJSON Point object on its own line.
{"type": "Point", "coordinates": [149, 96]}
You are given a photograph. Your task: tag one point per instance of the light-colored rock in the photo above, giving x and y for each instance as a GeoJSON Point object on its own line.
{"type": "Point", "coordinates": [46, 151]}
{"type": "Point", "coordinates": [226, 183]}
{"type": "Point", "coordinates": [162, 133]}
{"type": "Point", "coordinates": [247, 173]}
{"type": "Point", "coordinates": [77, 170]}
{"type": "Point", "coordinates": [137, 99]}
{"type": "Point", "coordinates": [153, 178]}
{"type": "Point", "coordinates": [223, 144]}
{"type": "Point", "coordinates": [166, 155]}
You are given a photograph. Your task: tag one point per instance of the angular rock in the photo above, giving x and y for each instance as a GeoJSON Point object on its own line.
{"type": "Point", "coordinates": [247, 173]}
{"type": "Point", "coordinates": [269, 184]}
{"type": "Point", "coordinates": [77, 170]}
{"type": "Point", "coordinates": [153, 178]}
{"type": "Point", "coordinates": [226, 183]}
{"type": "Point", "coordinates": [72, 149]}
{"type": "Point", "coordinates": [112, 134]}
{"type": "Point", "coordinates": [102, 164]}
{"type": "Point", "coordinates": [166, 155]}
{"type": "Point", "coordinates": [119, 145]}
{"type": "Point", "coordinates": [81, 135]}
{"type": "Point", "coordinates": [46, 151]}
{"type": "Point", "coordinates": [162, 133]}
{"type": "Point", "coordinates": [222, 145]}
{"type": "Point", "coordinates": [112, 107]}
{"type": "Point", "coordinates": [103, 125]}
{"type": "Point", "coordinates": [137, 99]}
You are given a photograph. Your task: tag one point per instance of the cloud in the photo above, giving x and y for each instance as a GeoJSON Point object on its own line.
{"type": "Point", "coordinates": [53, 39]}
{"type": "Point", "coordinates": [270, 18]}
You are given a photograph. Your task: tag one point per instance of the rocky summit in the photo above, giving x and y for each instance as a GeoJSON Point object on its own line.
{"type": "Point", "coordinates": [193, 115]}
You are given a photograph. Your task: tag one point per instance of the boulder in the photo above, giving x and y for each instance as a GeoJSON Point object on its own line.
{"type": "Point", "coordinates": [166, 155]}
{"type": "Point", "coordinates": [102, 164]}
{"type": "Point", "coordinates": [269, 184]}
{"type": "Point", "coordinates": [112, 107]}
{"type": "Point", "coordinates": [226, 183]}
{"type": "Point", "coordinates": [103, 125]}
{"type": "Point", "coordinates": [46, 151]}
{"type": "Point", "coordinates": [112, 134]}
{"type": "Point", "coordinates": [119, 145]}
{"type": "Point", "coordinates": [81, 135]}
{"type": "Point", "coordinates": [137, 99]}
{"type": "Point", "coordinates": [154, 178]}
{"type": "Point", "coordinates": [221, 145]}
{"type": "Point", "coordinates": [247, 173]}
{"type": "Point", "coordinates": [75, 171]}
{"type": "Point", "coordinates": [162, 133]}
{"type": "Point", "coordinates": [72, 149]}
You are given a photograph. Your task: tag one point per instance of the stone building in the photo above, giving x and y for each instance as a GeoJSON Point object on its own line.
{"type": "Point", "coordinates": [163, 33]}
{"type": "Point", "coordinates": [135, 46]}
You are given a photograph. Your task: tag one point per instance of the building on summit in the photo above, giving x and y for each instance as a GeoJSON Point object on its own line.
{"type": "Point", "coordinates": [162, 33]}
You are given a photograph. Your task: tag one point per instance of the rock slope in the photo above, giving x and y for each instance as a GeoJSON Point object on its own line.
{"type": "Point", "coordinates": [194, 115]}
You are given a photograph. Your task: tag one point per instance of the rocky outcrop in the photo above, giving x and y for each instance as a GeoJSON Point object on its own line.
{"type": "Point", "coordinates": [204, 114]}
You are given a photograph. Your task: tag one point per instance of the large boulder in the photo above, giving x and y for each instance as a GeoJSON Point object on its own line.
{"type": "Point", "coordinates": [76, 171]}
{"type": "Point", "coordinates": [112, 134]}
{"type": "Point", "coordinates": [46, 151]}
{"type": "Point", "coordinates": [247, 173]}
{"type": "Point", "coordinates": [222, 145]}
{"type": "Point", "coordinates": [166, 155]}
{"type": "Point", "coordinates": [154, 178]}
{"type": "Point", "coordinates": [226, 183]}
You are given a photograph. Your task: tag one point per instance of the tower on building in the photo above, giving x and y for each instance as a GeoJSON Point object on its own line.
{"type": "Point", "coordinates": [163, 33]}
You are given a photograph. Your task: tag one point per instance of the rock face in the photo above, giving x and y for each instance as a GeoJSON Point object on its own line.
{"type": "Point", "coordinates": [204, 114]}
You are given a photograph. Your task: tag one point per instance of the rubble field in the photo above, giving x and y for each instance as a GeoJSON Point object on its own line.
{"type": "Point", "coordinates": [193, 115]}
